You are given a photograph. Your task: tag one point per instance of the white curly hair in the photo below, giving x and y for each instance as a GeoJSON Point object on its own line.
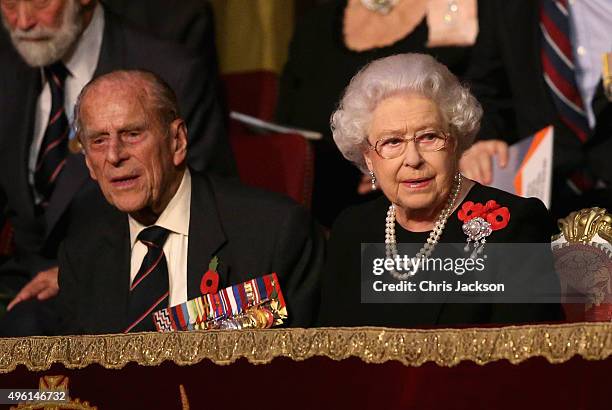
{"type": "Point", "coordinates": [398, 74]}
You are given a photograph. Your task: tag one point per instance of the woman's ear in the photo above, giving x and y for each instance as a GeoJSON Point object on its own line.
{"type": "Point", "coordinates": [368, 161]}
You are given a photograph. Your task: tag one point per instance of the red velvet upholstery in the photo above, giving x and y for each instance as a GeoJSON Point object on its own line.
{"type": "Point", "coordinates": [253, 93]}
{"type": "Point", "coordinates": [600, 313]}
{"type": "Point", "coordinates": [276, 162]}
{"type": "Point", "coordinates": [321, 383]}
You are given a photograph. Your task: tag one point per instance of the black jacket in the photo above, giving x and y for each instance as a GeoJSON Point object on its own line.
{"type": "Point", "coordinates": [251, 232]}
{"type": "Point", "coordinates": [341, 296]}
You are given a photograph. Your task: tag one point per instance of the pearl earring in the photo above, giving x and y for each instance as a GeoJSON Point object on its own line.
{"type": "Point", "coordinates": [373, 177]}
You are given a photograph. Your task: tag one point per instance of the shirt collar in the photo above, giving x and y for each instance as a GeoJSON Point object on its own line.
{"type": "Point", "coordinates": [175, 217]}
{"type": "Point", "coordinates": [82, 62]}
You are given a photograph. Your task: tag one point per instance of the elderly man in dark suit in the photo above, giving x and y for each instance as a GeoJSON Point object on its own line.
{"type": "Point", "coordinates": [536, 63]}
{"type": "Point", "coordinates": [112, 275]}
{"type": "Point", "coordinates": [60, 45]}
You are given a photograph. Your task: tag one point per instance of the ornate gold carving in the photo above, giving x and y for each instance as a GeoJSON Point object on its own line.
{"type": "Point", "coordinates": [55, 383]}
{"type": "Point", "coordinates": [581, 226]}
{"type": "Point", "coordinates": [413, 347]}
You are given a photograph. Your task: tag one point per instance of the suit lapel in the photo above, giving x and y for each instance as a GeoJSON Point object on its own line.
{"type": "Point", "coordinates": [75, 173]}
{"type": "Point", "coordinates": [601, 108]}
{"type": "Point", "coordinates": [522, 33]}
{"type": "Point", "coordinates": [114, 272]}
{"type": "Point", "coordinates": [24, 100]}
{"type": "Point", "coordinates": [112, 51]}
{"type": "Point", "coordinates": [206, 235]}
{"type": "Point", "coordinates": [72, 178]}
{"type": "Point", "coordinates": [525, 41]}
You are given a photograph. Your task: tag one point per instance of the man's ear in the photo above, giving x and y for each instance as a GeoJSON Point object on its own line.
{"type": "Point", "coordinates": [178, 134]}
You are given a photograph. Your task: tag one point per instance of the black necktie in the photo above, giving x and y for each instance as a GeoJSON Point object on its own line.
{"type": "Point", "coordinates": [54, 148]}
{"type": "Point", "coordinates": [150, 289]}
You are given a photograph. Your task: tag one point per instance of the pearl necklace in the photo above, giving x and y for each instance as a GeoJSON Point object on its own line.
{"type": "Point", "coordinates": [434, 235]}
{"type": "Point", "coordinates": [380, 6]}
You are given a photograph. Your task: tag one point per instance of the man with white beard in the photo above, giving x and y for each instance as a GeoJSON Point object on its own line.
{"type": "Point", "coordinates": [59, 46]}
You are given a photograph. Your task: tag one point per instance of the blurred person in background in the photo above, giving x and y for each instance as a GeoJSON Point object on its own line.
{"type": "Point", "coordinates": [57, 47]}
{"type": "Point", "coordinates": [548, 72]}
{"type": "Point", "coordinates": [331, 43]}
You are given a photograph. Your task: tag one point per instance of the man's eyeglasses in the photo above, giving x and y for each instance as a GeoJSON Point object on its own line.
{"type": "Point", "coordinates": [424, 141]}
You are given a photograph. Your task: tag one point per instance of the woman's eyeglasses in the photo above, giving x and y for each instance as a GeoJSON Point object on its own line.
{"type": "Point", "coordinates": [424, 141]}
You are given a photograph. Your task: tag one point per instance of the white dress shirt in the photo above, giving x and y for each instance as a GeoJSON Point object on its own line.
{"type": "Point", "coordinates": [81, 64]}
{"type": "Point", "coordinates": [591, 36]}
{"type": "Point", "coordinates": [174, 218]}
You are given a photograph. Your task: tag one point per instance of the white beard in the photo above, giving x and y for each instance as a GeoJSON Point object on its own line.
{"type": "Point", "coordinates": [56, 43]}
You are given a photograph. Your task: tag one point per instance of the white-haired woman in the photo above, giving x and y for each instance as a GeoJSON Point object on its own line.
{"type": "Point", "coordinates": [405, 120]}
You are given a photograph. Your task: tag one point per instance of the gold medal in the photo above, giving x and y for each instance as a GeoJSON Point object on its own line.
{"type": "Point", "coordinates": [248, 321]}
{"type": "Point", "coordinates": [269, 317]}
{"type": "Point", "coordinates": [259, 318]}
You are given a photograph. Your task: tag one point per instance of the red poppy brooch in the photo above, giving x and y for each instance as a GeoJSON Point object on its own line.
{"type": "Point", "coordinates": [210, 280]}
{"type": "Point", "coordinates": [480, 220]}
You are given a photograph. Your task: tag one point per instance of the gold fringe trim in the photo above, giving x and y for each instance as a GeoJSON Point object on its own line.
{"type": "Point", "coordinates": [412, 347]}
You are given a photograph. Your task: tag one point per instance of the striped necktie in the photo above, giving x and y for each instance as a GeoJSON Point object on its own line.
{"type": "Point", "coordinates": [558, 65]}
{"type": "Point", "coordinates": [54, 148]}
{"type": "Point", "coordinates": [149, 290]}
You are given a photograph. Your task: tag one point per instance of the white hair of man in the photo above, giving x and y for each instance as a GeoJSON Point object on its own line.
{"type": "Point", "coordinates": [58, 41]}
{"type": "Point", "coordinates": [399, 74]}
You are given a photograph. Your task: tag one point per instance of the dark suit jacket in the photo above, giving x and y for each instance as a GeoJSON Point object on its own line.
{"type": "Point", "coordinates": [341, 294]}
{"type": "Point", "coordinates": [191, 24]}
{"type": "Point", "coordinates": [252, 233]}
{"type": "Point", "coordinates": [37, 236]}
{"type": "Point", "coordinates": [506, 76]}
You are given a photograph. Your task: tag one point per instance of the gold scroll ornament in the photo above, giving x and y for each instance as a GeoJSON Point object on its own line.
{"type": "Point", "coordinates": [582, 226]}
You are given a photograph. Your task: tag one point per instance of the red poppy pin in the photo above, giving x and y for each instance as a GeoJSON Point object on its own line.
{"type": "Point", "coordinates": [210, 280]}
{"type": "Point", "coordinates": [480, 220]}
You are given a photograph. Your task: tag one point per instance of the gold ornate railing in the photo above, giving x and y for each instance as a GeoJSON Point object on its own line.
{"type": "Point", "coordinates": [412, 347]}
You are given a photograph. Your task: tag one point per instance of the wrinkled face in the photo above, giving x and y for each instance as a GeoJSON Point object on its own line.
{"type": "Point", "coordinates": [43, 31]}
{"type": "Point", "coordinates": [416, 182]}
{"type": "Point", "coordinates": [135, 159]}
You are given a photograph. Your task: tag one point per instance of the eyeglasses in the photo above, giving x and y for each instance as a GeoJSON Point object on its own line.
{"type": "Point", "coordinates": [12, 4]}
{"type": "Point", "coordinates": [424, 141]}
